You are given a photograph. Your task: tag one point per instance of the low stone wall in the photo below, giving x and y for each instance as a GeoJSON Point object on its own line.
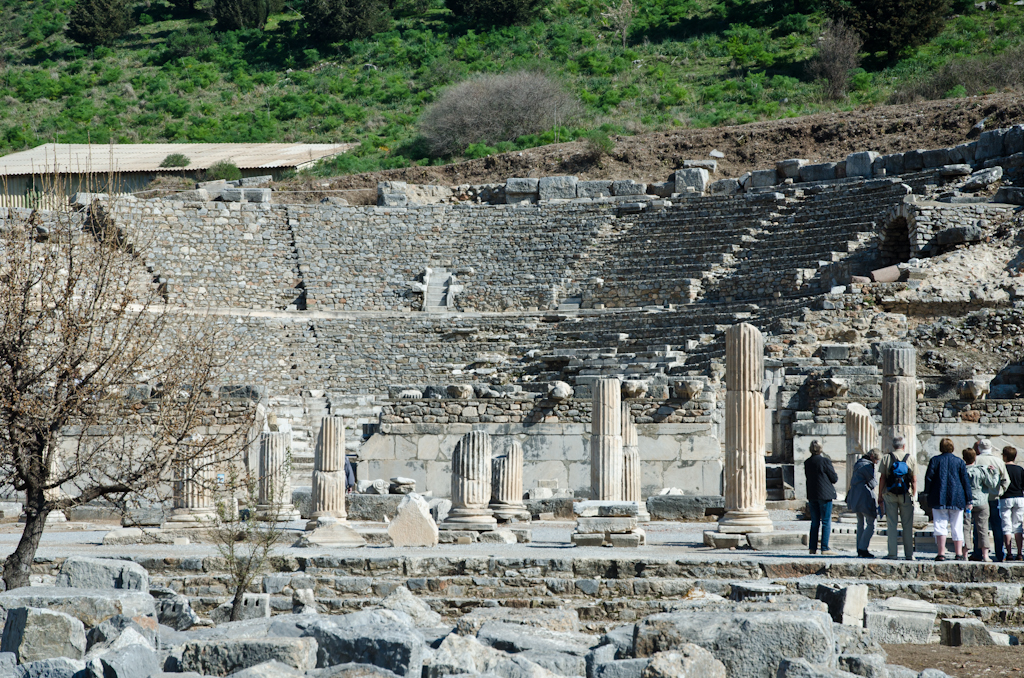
{"type": "Point", "coordinates": [687, 456]}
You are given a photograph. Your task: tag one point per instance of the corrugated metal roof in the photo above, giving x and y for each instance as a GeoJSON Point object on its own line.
{"type": "Point", "coordinates": [98, 158]}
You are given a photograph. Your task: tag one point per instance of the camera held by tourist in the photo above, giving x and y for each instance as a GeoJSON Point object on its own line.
{"type": "Point", "coordinates": [860, 499]}
{"type": "Point", "coordinates": [821, 491]}
{"type": "Point", "coordinates": [948, 489]}
{"type": "Point", "coordinates": [897, 487]}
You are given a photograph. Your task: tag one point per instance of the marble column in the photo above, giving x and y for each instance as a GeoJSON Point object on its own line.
{"type": "Point", "coordinates": [861, 436]}
{"type": "Point", "coordinates": [193, 492]}
{"type": "Point", "coordinates": [899, 399]}
{"type": "Point", "coordinates": [606, 441]}
{"type": "Point", "coordinates": [328, 500]}
{"type": "Point", "coordinates": [631, 474]}
{"type": "Point", "coordinates": [54, 494]}
{"type": "Point", "coordinates": [507, 486]}
{"type": "Point", "coordinates": [275, 491]}
{"type": "Point", "coordinates": [746, 491]}
{"type": "Point", "coordinates": [471, 484]}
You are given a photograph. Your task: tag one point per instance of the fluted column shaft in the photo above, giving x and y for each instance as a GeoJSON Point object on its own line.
{"type": "Point", "coordinates": [861, 436]}
{"type": "Point", "coordinates": [275, 489]}
{"type": "Point", "coordinates": [606, 441]}
{"type": "Point", "coordinates": [631, 479]}
{"type": "Point", "coordinates": [471, 480]}
{"type": "Point", "coordinates": [329, 472]}
{"type": "Point", "coordinates": [508, 477]}
{"type": "Point", "coordinates": [746, 490]}
{"type": "Point", "coordinates": [899, 397]}
{"type": "Point", "coordinates": [193, 490]}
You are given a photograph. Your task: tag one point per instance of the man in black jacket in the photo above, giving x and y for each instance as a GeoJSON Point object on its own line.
{"type": "Point", "coordinates": [821, 480]}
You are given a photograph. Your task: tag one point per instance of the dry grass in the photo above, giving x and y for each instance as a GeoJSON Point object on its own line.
{"type": "Point", "coordinates": [980, 75]}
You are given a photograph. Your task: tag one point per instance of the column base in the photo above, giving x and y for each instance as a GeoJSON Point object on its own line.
{"type": "Point", "coordinates": [183, 518]}
{"type": "Point", "coordinates": [510, 513]}
{"type": "Point", "coordinates": [479, 519]}
{"type": "Point", "coordinates": [56, 517]}
{"type": "Point", "coordinates": [745, 522]}
{"type": "Point", "coordinates": [328, 517]}
{"type": "Point", "coordinates": [284, 513]}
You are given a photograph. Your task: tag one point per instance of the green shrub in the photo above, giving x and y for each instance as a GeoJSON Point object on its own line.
{"type": "Point", "coordinates": [99, 22]}
{"type": "Point", "coordinates": [598, 144]}
{"type": "Point", "coordinates": [224, 169]}
{"type": "Point", "coordinates": [233, 15]}
{"type": "Point", "coordinates": [188, 42]}
{"type": "Point", "coordinates": [955, 93]}
{"type": "Point", "coordinates": [176, 160]}
{"type": "Point", "coordinates": [495, 12]}
{"type": "Point", "coordinates": [328, 21]}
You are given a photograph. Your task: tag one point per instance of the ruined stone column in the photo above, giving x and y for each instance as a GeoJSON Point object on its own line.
{"type": "Point", "coordinates": [275, 493]}
{"type": "Point", "coordinates": [745, 488]}
{"type": "Point", "coordinates": [631, 473]}
{"type": "Point", "coordinates": [328, 498]}
{"type": "Point", "coordinates": [507, 486]}
{"type": "Point", "coordinates": [471, 484]}
{"type": "Point", "coordinates": [54, 494]}
{"type": "Point", "coordinates": [899, 398]}
{"type": "Point", "coordinates": [606, 441]}
{"type": "Point", "coordinates": [194, 477]}
{"type": "Point", "coordinates": [861, 436]}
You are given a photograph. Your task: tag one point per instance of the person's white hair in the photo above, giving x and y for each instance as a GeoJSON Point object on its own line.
{"type": "Point", "coordinates": [898, 443]}
{"type": "Point", "coordinates": [984, 446]}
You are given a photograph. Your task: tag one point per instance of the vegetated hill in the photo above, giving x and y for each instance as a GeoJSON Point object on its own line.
{"type": "Point", "coordinates": [653, 157]}
{"type": "Point", "coordinates": [686, 64]}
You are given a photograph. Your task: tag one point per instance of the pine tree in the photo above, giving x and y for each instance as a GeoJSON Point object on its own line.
{"type": "Point", "coordinates": [892, 26]}
{"type": "Point", "coordinates": [329, 21]}
{"type": "Point", "coordinates": [232, 15]}
{"type": "Point", "coordinates": [99, 22]}
{"type": "Point", "coordinates": [494, 12]}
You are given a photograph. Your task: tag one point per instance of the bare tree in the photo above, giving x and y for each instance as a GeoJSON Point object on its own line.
{"type": "Point", "coordinates": [494, 108]}
{"type": "Point", "coordinates": [244, 542]}
{"type": "Point", "coordinates": [619, 17]}
{"type": "Point", "coordinates": [838, 48]}
{"type": "Point", "coordinates": [82, 326]}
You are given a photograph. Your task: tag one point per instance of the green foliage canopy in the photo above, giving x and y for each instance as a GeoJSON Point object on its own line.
{"type": "Point", "coordinates": [892, 26]}
{"type": "Point", "coordinates": [99, 22]}
{"type": "Point", "coordinates": [232, 15]}
{"type": "Point", "coordinates": [329, 21]}
{"type": "Point", "coordinates": [495, 12]}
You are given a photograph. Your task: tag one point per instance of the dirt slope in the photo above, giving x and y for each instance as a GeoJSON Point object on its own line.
{"type": "Point", "coordinates": [652, 157]}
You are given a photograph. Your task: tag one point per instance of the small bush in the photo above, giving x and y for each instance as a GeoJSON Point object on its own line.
{"type": "Point", "coordinates": [99, 22]}
{"type": "Point", "coordinates": [490, 109]}
{"type": "Point", "coordinates": [838, 49]}
{"type": "Point", "coordinates": [329, 21]}
{"type": "Point", "coordinates": [224, 169]}
{"type": "Point", "coordinates": [176, 160]}
{"type": "Point", "coordinates": [189, 42]}
{"type": "Point", "coordinates": [495, 12]}
{"type": "Point", "coordinates": [598, 144]}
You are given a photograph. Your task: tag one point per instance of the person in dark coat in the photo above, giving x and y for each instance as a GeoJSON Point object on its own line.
{"type": "Point", "coordinates": [949, 492]}
{"type": "Point", "coordinates": [860, 499]}
{"type": "Point", "coordinates": [350, 475]}
{"type": "Point", "coordinates": [821, 491]}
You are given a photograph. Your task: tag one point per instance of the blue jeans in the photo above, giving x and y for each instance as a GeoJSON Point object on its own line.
{"type": "Point", "coordinates": [821, 516]}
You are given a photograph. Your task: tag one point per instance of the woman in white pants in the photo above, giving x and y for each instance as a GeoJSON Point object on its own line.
{"type": "Point", "coordinates": [1011, 504]}
{"type": "Point", "coordinates": [949, 492]}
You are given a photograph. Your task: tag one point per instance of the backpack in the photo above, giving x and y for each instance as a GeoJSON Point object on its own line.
{"type": "Point", "coordinates": [989, 478]}
{"type": "Point", "coordinates": [898, 479]}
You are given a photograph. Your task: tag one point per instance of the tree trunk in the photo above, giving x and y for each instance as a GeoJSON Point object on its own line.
{"type": "Point", "coordinates": [236, 604]}
{"type": "Point", "coordinates": [19, 564]}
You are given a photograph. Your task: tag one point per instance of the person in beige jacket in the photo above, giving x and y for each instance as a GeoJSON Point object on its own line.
{"type": "Point", "coordinates": [995, 522]}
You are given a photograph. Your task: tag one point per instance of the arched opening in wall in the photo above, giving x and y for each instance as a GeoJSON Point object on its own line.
{"type": "Point", "coordinates": [895, 247]}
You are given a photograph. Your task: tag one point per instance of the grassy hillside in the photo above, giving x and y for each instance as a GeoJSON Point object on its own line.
{"type": "Point", "coordinates": [688, 63]}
